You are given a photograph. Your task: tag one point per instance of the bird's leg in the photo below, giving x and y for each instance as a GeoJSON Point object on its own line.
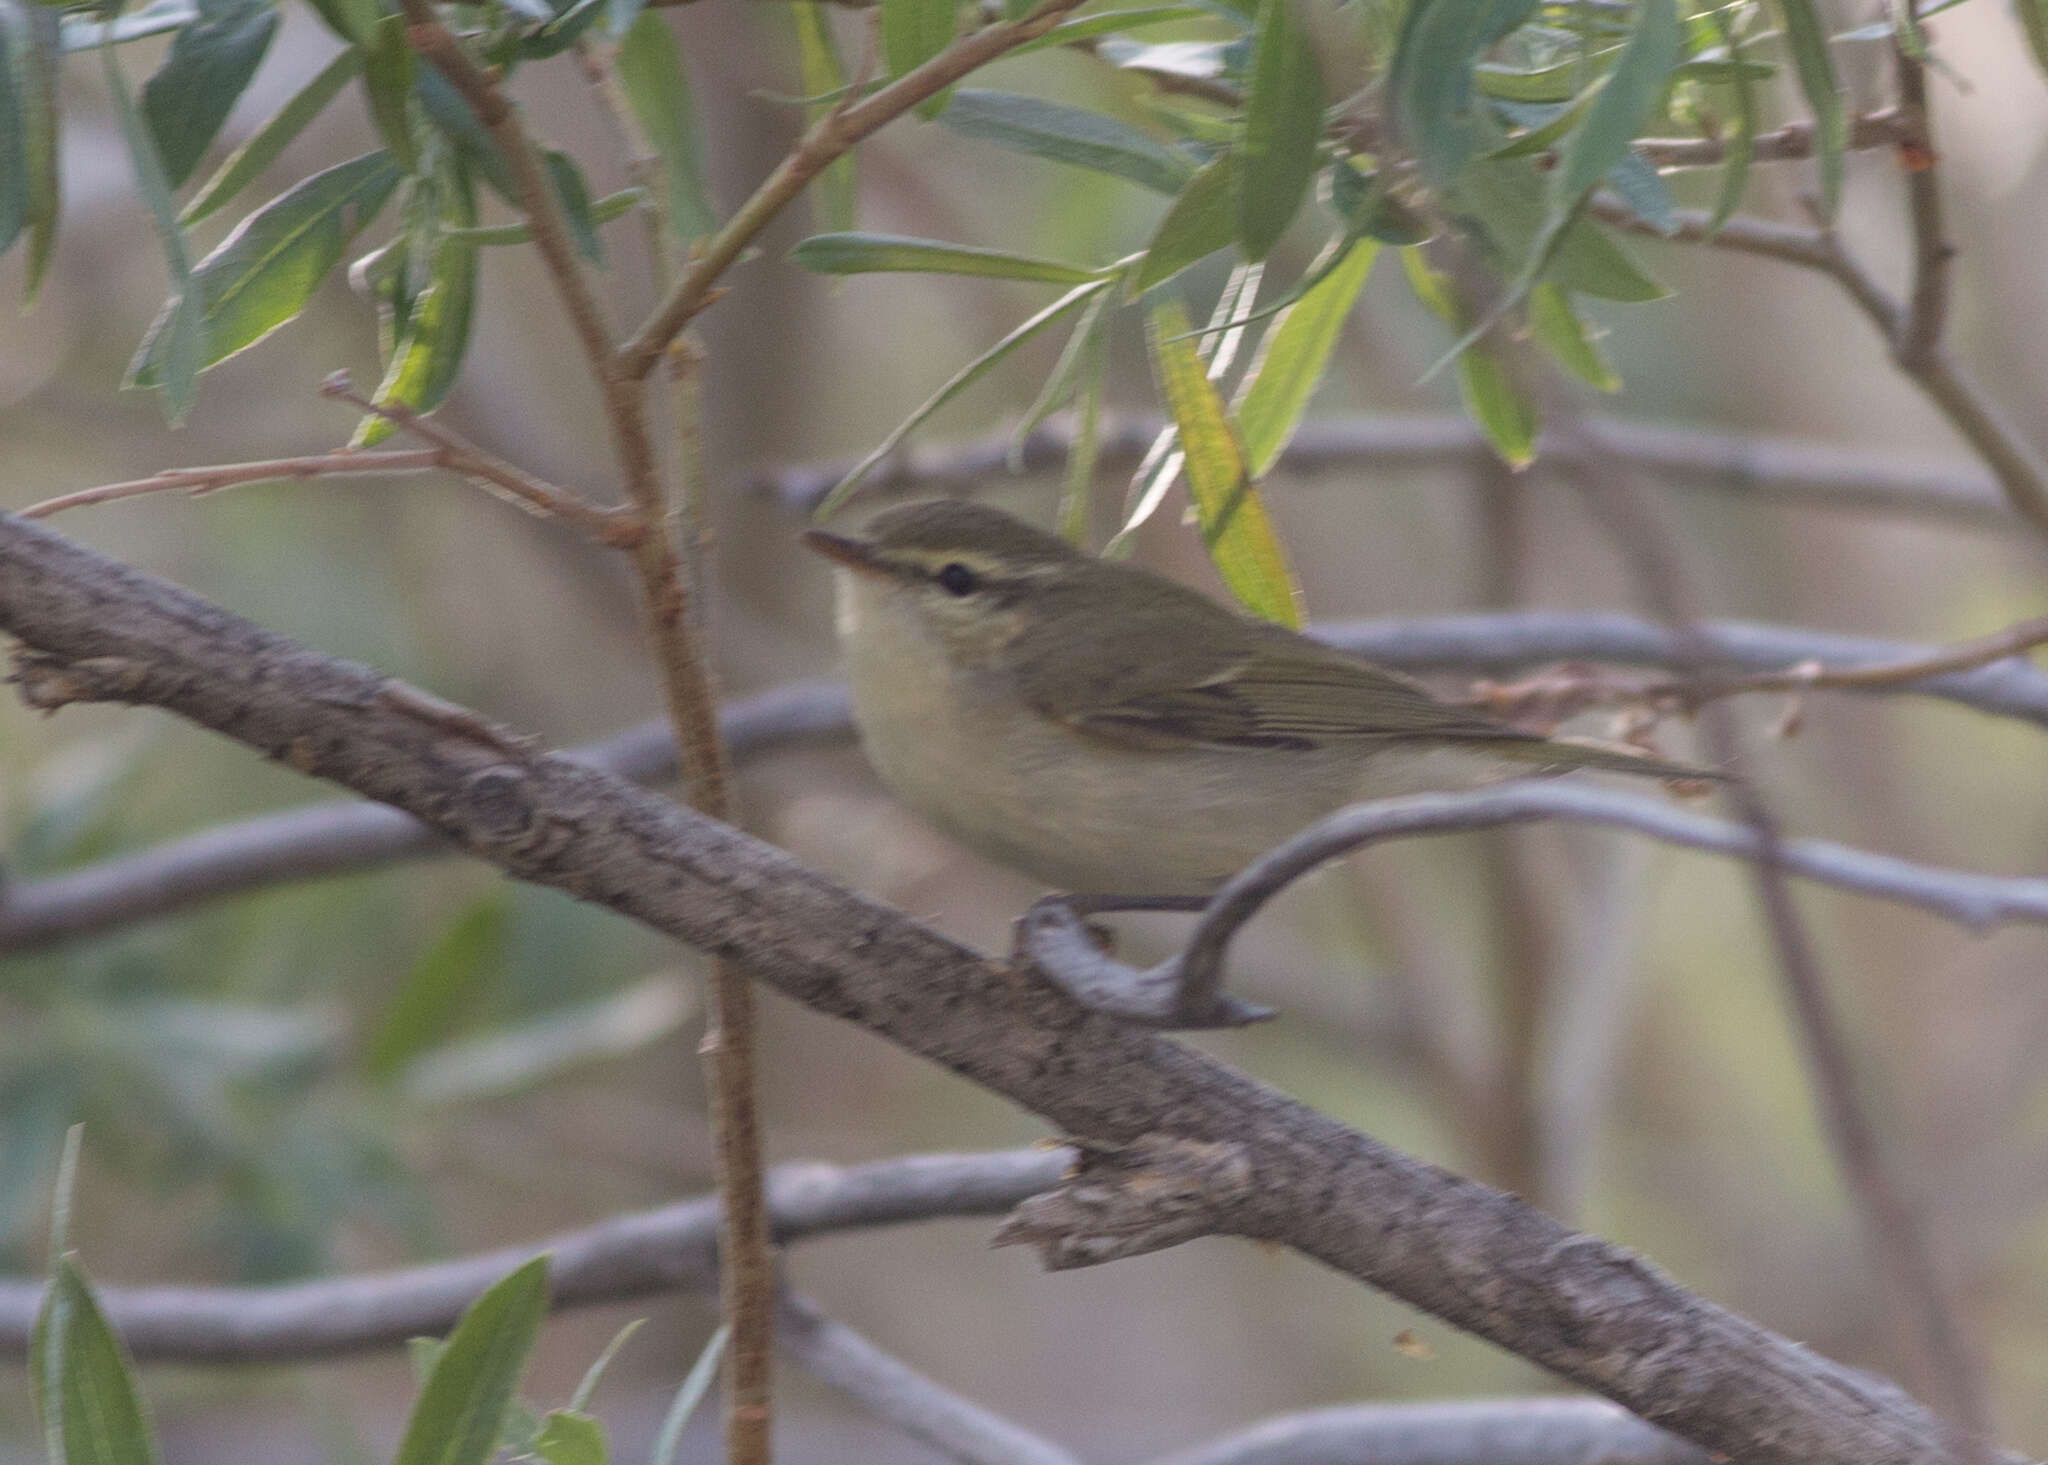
{"type": "Point", "coordinates": [1056, 938]}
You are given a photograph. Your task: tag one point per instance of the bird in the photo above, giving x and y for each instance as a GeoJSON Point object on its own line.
{"type": "Point", "coordinates": [1107, 730]}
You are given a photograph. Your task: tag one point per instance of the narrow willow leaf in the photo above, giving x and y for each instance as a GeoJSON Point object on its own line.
{"type": "Point", "coordinates": [1202, 220]}
{"type": "Point", "coordinates": [265, 271]}
{"type": "Point", "coordinates": [960, 381]}
{"type": "Point", "coordinates": [209, 65]}
{"type": "Point", "coordinates": [84, 1383]}
{"type": "Point", "coordinates": [1240, 537]}
{"type": "Point", "coordinates": [13, 153]}
{"type": "Point", "coordinates": [1808, 41]}
{"type": "Point", "coordinates": [836, 191]}
{"type": "Point", "coordinates": [447, 981]}
{"type": "Point", "coordinates": [1077, 489]}
{"type": "Point", "coordinates": [468, 1395]}
{"type": "Point", "coordinates": [181, 326]}
{"type": "Point", "coordinates": [1109, 22]}
{"type": "Point", "coordinates": [1066, 375]}
{"type": "Point", "coordinates": [668, 1442]}
{"type": "Point", "coordinates": [1065, 134]}
{"type": "Point", "coordinates": [1283, 126]}
{"type": "Point", "coordinates": [350, 20]}
{"type": "Point", "coordinates": [914, 31]}
{"type": "Point", "coordinates": [452, 118]}
{"type": "Point", "coordinates": [1430, 80]}
{"type": "Point", "coordinates": [428, 354]}
{"type": "Point", "coordinates": [1294, 355]}
{"type": "Point", "coordinates": [1627, 99]}
{"type": "Point", "coordinates": [388, 79]}
{"type": "Point", "coordinates": [573, 194]}
{"type": "Point", "coordinates": [81, 34]}
{"type": "Point", "coordinates": [602, 211]}
{"type": "Point", "coordinates": [1557, 327]}
{"type": "Point", "coordinates": [1639, 185]}
{"type": "Point", "coordinates": [1741, 145]}
{"type": "Point", "coordinates": [862, 254]}
{"type": "Point", "coordinates": [32, 42]}
{"type": "Point", "coordinates": [1505, 200]}
{"type": "Point", "coordinates": [580, 1400]}
{"type": "Point", "coordinates": [650, 69]}
{"type": "Point", "coordinates": [1508, 420]}
{"type": "Point", "coordinates": [571, 1437]}
{"type": "Point", "coordinates": [245, 163]}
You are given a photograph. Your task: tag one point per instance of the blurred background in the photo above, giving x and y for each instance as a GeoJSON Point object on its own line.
{"type": "Point", "coordinates": [240, 1125]}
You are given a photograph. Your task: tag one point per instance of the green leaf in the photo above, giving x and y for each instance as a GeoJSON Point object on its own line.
{"type": "Point", "coordinates": [263, 273]}
{"type": "Point", "coordinates": [1283, 125]}
{"type": "Point", "coordinates": [1642, 188]}
{"type": "Point", "coordinates": [433, 339]}
{"type": "Point", "coordinates": [650, 69]}
{"type": "Point", "coordinates": [1202, 220]}
{"type": "Point", "coordinates": [862, 254]}
{"type": "Point", "coordinates": [453, 119]}
{"type": "Point", "coordinates": [1107, 22]}
{"type": "Point", "coordinates": [1240, 537]}
{"type": "Point", "coordinates": [1370, 210]}
{"type": "Point", "coordinates": [1066, 376]}
{"type": "Point", "coordinates": [448, 981]}
{"type": "Point", "coordinates": [1627, 99]}
{"type": "Point", "coordinates": [181, 327]}
{"type": "Point", "coordinates": [1077, 488]}
{"type": "Point", "coordinates": [668, 1443]}
{"type": "Point", "coordinates": [573, 195]}
{"type": "Point", "coordinates": [210, 64]}
{"type": "Point", "coordinates": [914, 31]}
{"type": "Point", "coordinates": [523, 1055]}
{"type": "Point", "coordinates": [1504, 199]}
{"type": "Point", "coordinates": [1430, 81]}
{"type": "Point", "coordinates": [13, 153]}
{"type": "Point", "coordinates": [601, 211]}
{"type": "Point", "coordinates": [570, 1437]}
{"type": "Point", "coordinates": [351, 20]}
{"type": "Point", "coordinates": [960, 381]}
{"type": "Point", "coordinates": [86, 1399]}
{"type": "Point", "coordinates": [1065, 134]}
{"type": "Point", "coordinates": [388, 71]}
{"type": "Point", "coordinates": [837, 189]}
{"type": "Point", "coordinates": [32, 39]}
{"type": "Point", "coordinates": [1508, 419]}
{"type": "Point", "coordinates": [580, 1400]}
{"type": "Point", "coordinates": [1741, 144]}
{"type": "Point", "coordinates": [1293, 357]}
{"type": "Point", "coordinates": [1808, 41]}
{"type": "Point", "coordinates": [468, 1395]}
{"type": "Point", "coordinates": [241, 167]}
{"type": "Point", "coordinates": [1555, 325]}
{"type": "Point", "coordinates": [78, 33]}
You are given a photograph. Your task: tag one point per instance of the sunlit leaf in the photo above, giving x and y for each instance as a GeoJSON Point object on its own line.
{"type": "Point", "coordinates": [1233, 520]}
{"type": "Point", "coordinates": [570, 1437]}
{"type": "Point", "coordinates": [860, 254]}
{"type": "Point", "coordinates": [960, 381]}
{"type": "Point", "coordinates": [263, 273]}
{"type": "Point", "coordinates": [1293, 357]}
{"type": "Point", "coordinates": [1557, 327]}
{"type": "Point", "coordinates": [1065, 134]}
{"type": "Point", "coordinates": [463, 1406]}
{"type": "Point", "coordinates": [1283, 126]}
{"type": "Point", "coordinates": [210, 63]}
{"type": "Point", "coordinates": [650, 69]}
{"type": "Point", "coordinates": [1808, 41]}
{"type": "Point", "coordinates": [84, 1384]}
{"type": "Point", "coordinates": [1508, 419]}
{"type": "Point", "coordinates": [1108, 22]}
{"type": "Point", "coordinates": [245, 163]}
{"type": "Point", "coordinates": [1202, 220]}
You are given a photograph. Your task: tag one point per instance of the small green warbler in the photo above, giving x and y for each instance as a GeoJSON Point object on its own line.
{"type": "Point", "coordinates": [1110, 731]}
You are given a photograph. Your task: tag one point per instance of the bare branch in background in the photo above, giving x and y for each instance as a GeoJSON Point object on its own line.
{"type": "Point", "coordinates": [1480, 1432]}
{"type": "Point", "coordinates": [645, 1254]}
{"type": "Point", "coordinates": [93, 629]}
{"type": "Point", "coordinates": [898, 1394]}
{"type": "Point", "coordinates": [1768, 470]}
{"type": "Point", "coordinates": [195, 482]}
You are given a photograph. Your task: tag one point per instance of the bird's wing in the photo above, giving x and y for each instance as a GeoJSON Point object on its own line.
{"type": "Point", "coordinates": [1287, 692]}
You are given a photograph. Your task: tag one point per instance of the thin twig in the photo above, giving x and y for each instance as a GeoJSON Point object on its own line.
{"type": "Point", "coordinates": [2018, 469]}
{"type": "Point", "coordinates": [892, 1391]}
{"type": "Point", "coordinates": [1920, 325]}
{"type": "Point", "coordinates": [824, 142]}
{"type": "Point", "coordinates": [198, 481]}
{"type": "Point", "coordinates": [1365, 132]}
{"type": "Point", "coordinates": [1979, 902]}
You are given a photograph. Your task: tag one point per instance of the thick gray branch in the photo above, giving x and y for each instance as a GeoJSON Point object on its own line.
{"type": "Point", "coordinates": [671, 1249]}
{"type": "Point", "coordinates": [1477, 1258]}
{"type": "Point", "coordinates": [333, 839]}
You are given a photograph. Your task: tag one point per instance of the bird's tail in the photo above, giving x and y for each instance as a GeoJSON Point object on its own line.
{"type": "Point", "coordinates": [1562, 754]}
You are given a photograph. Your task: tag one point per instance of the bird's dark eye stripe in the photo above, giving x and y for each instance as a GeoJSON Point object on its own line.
{"type": "Point", "coordinates": [957, 579]}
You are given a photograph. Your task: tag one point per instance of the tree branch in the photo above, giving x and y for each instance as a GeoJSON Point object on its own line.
{"type": "Point", "coordinates": [1479, 1259]}
{"type": "Point", "coordinates": [1543, 1431]}
{"type": "Point", "coordinates": [645, 1254]}
{"type": "Point", "coordinates": [1765, 469]}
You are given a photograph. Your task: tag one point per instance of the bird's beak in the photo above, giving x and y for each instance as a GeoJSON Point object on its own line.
{"type": "Point", "coordinates": [855, 554]}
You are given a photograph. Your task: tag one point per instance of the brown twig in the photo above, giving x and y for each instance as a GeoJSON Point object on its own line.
{"type": "Point", "coordinates": [198, 481]}
{"type": "Point", "coordinates": [1364, 132]}
{"type": "Point", "coordinates": [823, 142]}
{"type": "Point", "coordinates": [1919, 325]}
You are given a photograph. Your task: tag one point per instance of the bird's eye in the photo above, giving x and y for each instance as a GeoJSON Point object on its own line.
{"type": "Point", "coordinates": [957, 579]}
